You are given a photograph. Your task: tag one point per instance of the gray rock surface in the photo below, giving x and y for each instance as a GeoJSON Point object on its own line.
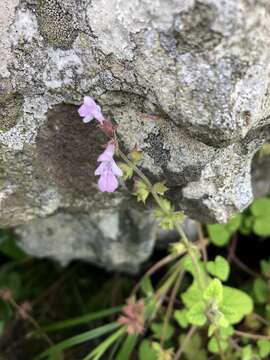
{"type": "Point", "coordinates": [186, 81]}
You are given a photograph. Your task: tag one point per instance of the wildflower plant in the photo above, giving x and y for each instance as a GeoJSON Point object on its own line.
{"type": "Point", "coordinates": [155, 315]}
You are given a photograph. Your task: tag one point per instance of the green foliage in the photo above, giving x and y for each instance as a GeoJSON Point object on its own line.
{"type": "Point", "coordinates": [265, 267]}
{"type": "Point", "coordinates": [158, 328]}
{"type": "Point", "coordinates": [220, 234]}
{"type": "Point", "coordinates": [219, 268]}
{"type": "Point", "coordinates": [261, 212]}
{"type": "Point", "coordinates": [142, 191]}
{"type": "Point", "coordinates": [196, 314]}
{"type": "Point", "coordinates": [146, 351]}
{"type": "Point", "coordinates": [181, 317]}
{"type": "Point", "coordinates": [214, 292]}
{"type": "Point", "coordinates": [195, 348]}
{"type": "Point", "coordinates": [261, 290]}
{"type": "Point", "coordinates": [160, 188]}
{"type": "Point", "coordinates": [264, 348]}
{"type": "Point", "coordinates": [236, 304]}
{"type": "Point", "coordinates": [166, 215]}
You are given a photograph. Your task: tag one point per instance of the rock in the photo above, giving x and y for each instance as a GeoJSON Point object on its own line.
{"type": "Point", "coordinates": [186, 81]}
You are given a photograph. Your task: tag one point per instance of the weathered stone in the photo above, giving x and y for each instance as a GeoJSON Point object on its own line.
{"type": "Point", "coordinates": [186, 81]}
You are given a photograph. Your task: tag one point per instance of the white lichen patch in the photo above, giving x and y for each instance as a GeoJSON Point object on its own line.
{"type": "Point", "coordinates": [26, 129]}
{"type": "Point", "coordinates": [114, 22]}
{"type": "Point", "coordinates": [25, 27]}
{"type": "Point", "coordinates": [62, 68]}
{"type": "Point", "coordinates": [7, 13]}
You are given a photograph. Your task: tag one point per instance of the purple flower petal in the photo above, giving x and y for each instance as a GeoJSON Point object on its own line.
{"type": "Point", "coordinates": [107, 182]}
{"type": "Point", "coordinates": [107, 155]}
{"type": "Point", "coordinates": [90, 110]}
{"type": "Point", "coordinates": [87, 119]}
{"type": "Point", "coordinates": [116, 169]}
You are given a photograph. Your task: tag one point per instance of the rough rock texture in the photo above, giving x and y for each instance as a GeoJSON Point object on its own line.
{"type": "Point", "coordinates": [186, 81]}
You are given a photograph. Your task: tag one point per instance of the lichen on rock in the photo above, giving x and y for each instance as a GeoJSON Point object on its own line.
{"type": "Point", "coordinates": [186, 81]}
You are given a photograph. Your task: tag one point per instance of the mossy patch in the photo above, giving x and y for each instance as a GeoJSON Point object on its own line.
{"type": "Point", "coordinates": [56, 24]}
{"type": "Point", "coordinates": [10, 110]}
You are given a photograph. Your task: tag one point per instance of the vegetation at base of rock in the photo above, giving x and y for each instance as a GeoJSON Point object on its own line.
{"type": "Point", "coordinates": [70, 307]}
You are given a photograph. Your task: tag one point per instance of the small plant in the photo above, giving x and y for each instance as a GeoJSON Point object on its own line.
{"type": "Point", "coordinates": [168, 320]}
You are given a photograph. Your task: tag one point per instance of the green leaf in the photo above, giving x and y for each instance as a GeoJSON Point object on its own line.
{"type": "Point", "coordinates": [141, 191]}
{"type": "Point", "coordinates": [196, 314]}
{"type": "Point", "coordinates": [78, 339]}
{"type": "Point", "coordinates": [194, 350]}
{"type": "Point", "coordinates": [146, 286]}
{"type": "Point", "coordinates": [235, 305]}
{"type": "Point", "coordinates": [261, 208]}
{"type": "Point", "coordinates": [247, 225]}
{"type": "Point", "coordinates": [213, 345]}
{"type": "Point", "coordinates": [135, 156]}
{"type": "Point", "coordinates": [234, 223]}
{"type": "Point", "coordinates": [157, 329]}
{"type": "Point", "coordinates": [219, 268]}
{"type": "Point", "coordinates": [127, 170]}
{"type": "Point", "coordinates": [181, 317]}
{"type": "Point", "coordinates": [219, 235]}
{"type": "Point", "coordinates": [214, 291]}
{"type": "Point", "coordinates": [160, 188]}
{"type": "Point", "coordinates": [265, 267]}
{"type": "Point", "coordinates": [264, 348]}
{"type": "Point", "coordinates": [261, 290]}
{"type": "Point", "coordinates": [247, 353]}
{"type": "Point", "coordinates": [225, 332]}
{"type": "Point", "coordinates": [261, 226]}
{"type": "Point", "coordinates": [192, 295]}
{"type": "Point", "coordinates": [8, 246]}
{"type": "Point", "coordinates": [146, 351]}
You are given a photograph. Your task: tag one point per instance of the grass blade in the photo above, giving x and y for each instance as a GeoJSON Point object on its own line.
{"type": "Point", "coordinates": [78, 339]}
{"type": "Point", "coordinates": [100, 349]}
{"type": "Point", "coordinates": [81, 319]}
{"type": "Point", "coordinates": [127, 347]}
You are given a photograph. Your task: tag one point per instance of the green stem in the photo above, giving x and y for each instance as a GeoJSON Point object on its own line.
{"type": "Point", "coordinates": [176, 225]}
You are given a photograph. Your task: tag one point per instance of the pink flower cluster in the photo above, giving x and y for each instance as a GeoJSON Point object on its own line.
{"type": "Point", "coordinates": [107, 169]}
{"type": "Point", "coordinates": [133, 316]}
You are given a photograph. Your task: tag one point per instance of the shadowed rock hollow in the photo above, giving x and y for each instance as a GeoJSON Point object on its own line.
{"type": "Point", "coordinates": [186, 81]}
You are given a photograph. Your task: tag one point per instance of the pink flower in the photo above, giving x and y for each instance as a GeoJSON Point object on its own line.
{"type": "Point", "coordinates": [108, 170]}
{"type": "Point", "coordinates": [90, 110]}
{"type": "Point", "coordinates": [133, 316]}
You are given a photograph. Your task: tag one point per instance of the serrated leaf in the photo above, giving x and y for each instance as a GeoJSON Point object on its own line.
{"type": "Point", "coordinates": [214, 291]}
{"type": "Point", "coordinates": [236, 304]}
{"type": "Point", "coordinates": [196, 314]}
{"type": "Point", "coordinates": [135, 156]}
{"type": "Point", "coordinates": [141, 191]}
{"type": "Point", "coordinates": [160, 188]}
{"type": "Point", "coordinates": [264, 348]}
{"type": "Point", "coordinates": [127, 170]}
{"type": "Point", "coordinates": [219, 268]}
